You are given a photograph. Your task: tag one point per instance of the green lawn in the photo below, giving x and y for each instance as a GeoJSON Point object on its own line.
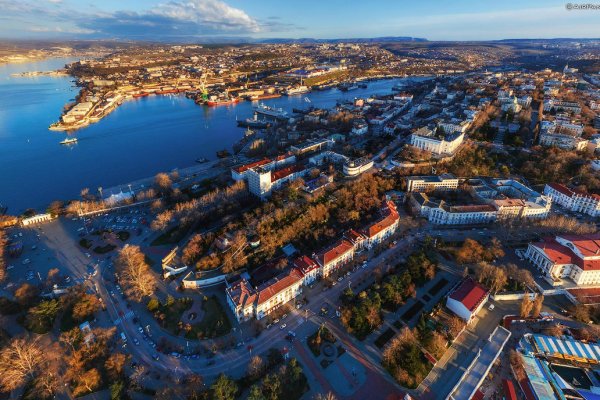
{"type": "Point", "coordinates": [172, 236]}
{"type": "Point", "coordinates": [215, 322]}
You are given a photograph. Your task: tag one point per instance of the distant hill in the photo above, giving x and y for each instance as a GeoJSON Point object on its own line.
{"type": "Point", "coordinates": [342, 40]}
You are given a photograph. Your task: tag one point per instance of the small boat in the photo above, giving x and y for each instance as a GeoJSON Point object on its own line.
{"type": "Point", "coordinates": [69, 141]}
{"type": "Point", "coordinates": [223, 153]}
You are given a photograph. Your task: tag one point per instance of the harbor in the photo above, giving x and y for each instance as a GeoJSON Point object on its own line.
{"type": "Point", "coordinates": [141, 137]}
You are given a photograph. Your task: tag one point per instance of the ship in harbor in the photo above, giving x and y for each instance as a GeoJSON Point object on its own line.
{"type": "Point", "coordinates": [265, 96]}
{"type": "Point", "coordinates": [254, 122]}
{"type": "Point", "coordinates": [345, 87]}
{"type": "Point", "coordinates": [296, 90]}
{"type": "Point", "coordinates": [222, 101]}
{"type": "Point", "coordinates": [69, 141]}
{"type": "Point", "coordinates": [271, 112]}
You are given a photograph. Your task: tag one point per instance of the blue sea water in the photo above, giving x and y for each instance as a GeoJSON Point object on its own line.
{"type": "Point", "coordinates": [139, 139]}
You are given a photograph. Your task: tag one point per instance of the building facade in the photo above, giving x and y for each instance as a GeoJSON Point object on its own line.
{"type": "Point", "coordinates": [576, 257]}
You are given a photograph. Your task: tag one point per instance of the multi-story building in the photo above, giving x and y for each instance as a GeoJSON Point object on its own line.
{"type": "Point", "coordinates": [357, 167]}
{"type": "Point", "coordinates": [311, 145]}
{"type": "Point", "coordinates": [574, 200]}
{"type": "Point", "coordinates": [247, 302]}
{"type": "Point", "coordinates": [262, 182]}
{"type": "Point", "coordinates": [240, 172]}
{"type": "Point", "coordinates": [576, 257]}
{"type": "Point", "coordinates": [308, 267]}
{"type": "Point", "coordinates": [334, 257]}
{"type": "Point", "coordinates": [426, 139]}
{"type": "Point", "coordinates": [462, 215]}
{"type": "Point", "coordinates": [559, 105]}
{"type": "Point", "coordinates": [384, 227]}
{"type": "Point", "coordinates": [432, 182]}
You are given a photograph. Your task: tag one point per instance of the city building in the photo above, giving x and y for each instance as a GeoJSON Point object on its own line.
{"type": "Point", "coordinates": [261, 182]}
{"type": "Point", "coordinates": [467, 299]}
{"type": "Point", "coordinates": [36, 219]}
{"type": "Point", "coordinates": [247, 302]}
{"type": "Point", "coordinates": [334, 257]}
{"type": "Point", "coordinates": [574, 200]}
{"type": "Point", "coordinates": [432, 182]}
{"type": "Point", "coordinates": [357, 167]}
{"type": "Point", "coordinates": [442, 144]}
{"type": "Point", "coordinates": [576, 257]}
{"type": "Point", "coordinates": [240, 172]}
{"type": "Point", "coordinates": [384, 227]}
{"type": "Point", "coordinates": [311, 146]}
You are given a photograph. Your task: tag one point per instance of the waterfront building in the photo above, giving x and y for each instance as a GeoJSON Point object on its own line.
{"type": "Point", "coordinates": [261, 181]}
{"type": "Point", "coordinates": [36, 219]}
{"type": "Point", "coordinates": [576, 257]}
{"type": "Point", "coordinates": [311, 145]}
{"type": "Point", "coordinates": [574, 200]}
{"type": "Point", "coordinates": [240, 172]}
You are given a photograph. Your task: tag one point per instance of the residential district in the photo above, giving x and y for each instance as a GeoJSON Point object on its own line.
{"type": "Point", "coordinates": [436, 241]}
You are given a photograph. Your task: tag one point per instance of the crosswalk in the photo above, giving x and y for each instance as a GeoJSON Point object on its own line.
{"type": "Point", "coordinates": [127, 316]}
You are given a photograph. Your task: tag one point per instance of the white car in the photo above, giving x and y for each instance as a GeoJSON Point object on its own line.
{"type": "Point", "coordinates": [282, 326]}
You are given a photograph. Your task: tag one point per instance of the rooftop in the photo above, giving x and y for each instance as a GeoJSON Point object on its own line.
{"type": "Point", "coordinates": [469, 293]}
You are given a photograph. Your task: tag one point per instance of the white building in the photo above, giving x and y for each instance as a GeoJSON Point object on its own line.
{"type": "Point", "coordinates": [240, 172]}
{"type": "Point", "coordinates": [429, 183]}
{"type": "Point", "coordinates": [36, 219]}
{"type": "Point", "coordinates": [357, 167]}
{"type": "Point", "coordinates": [467, 299]}
{"type": "Point", "coordinates": [576, 257]}
{"type": "Point", "coordinates": [425, 139]}
{"type": "Point", "coordinates": [262, 182]}
{"type": "Point", "coordinates": [574, 200]}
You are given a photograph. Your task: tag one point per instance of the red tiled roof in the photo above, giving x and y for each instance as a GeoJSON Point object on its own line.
{"type": "Point", "coordinates": [333, 253]}
{"type": "Point", "coordinates": [587, 245]}
{"type": "Point", "coordinates": [305, 264]}
{"type": "Point", "coordinates": [282, 173]}
{"type": "Point", "coordinates": [469, 293]}
{"type": "Point", "coordinates": [246, 167]}
{"type": "Point", "coordinates": [586, 295]}
{"type": "Point", "coordinates": [353, 237]}
{"type": "Point", "coordinates": [390, 216]}
{"type": "Point", "coordinates": [241, 293]}
{"type": "Point", "coordinates": [572, 192]}
{"type": "Point", "coordinates": [278, 284]}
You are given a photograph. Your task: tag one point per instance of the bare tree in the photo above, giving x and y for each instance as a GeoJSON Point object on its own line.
{"type": "Point", "coordinates": [537, 305]}
{"type": "Point", "coordinates": [326, 396]}
{"type": "Point", "coordinates": [163, 182]}
{"type": "Point", "coordinates": [255, 367]}
{"type": "Point", "coordinates": [135, 274]}
{"type": "Point", "coordinates": [20, 361]}
{"type": "Point", "coordinates": [526, 306]}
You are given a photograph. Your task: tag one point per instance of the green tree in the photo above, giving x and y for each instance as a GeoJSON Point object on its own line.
{"type": "Point", "coordinates": [256, 393]}
{"type": "Point", "coordinates": [224, 388]}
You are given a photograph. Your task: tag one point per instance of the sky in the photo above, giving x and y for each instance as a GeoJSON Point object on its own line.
{"type": "Point", "coordinates": [189, 20]}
